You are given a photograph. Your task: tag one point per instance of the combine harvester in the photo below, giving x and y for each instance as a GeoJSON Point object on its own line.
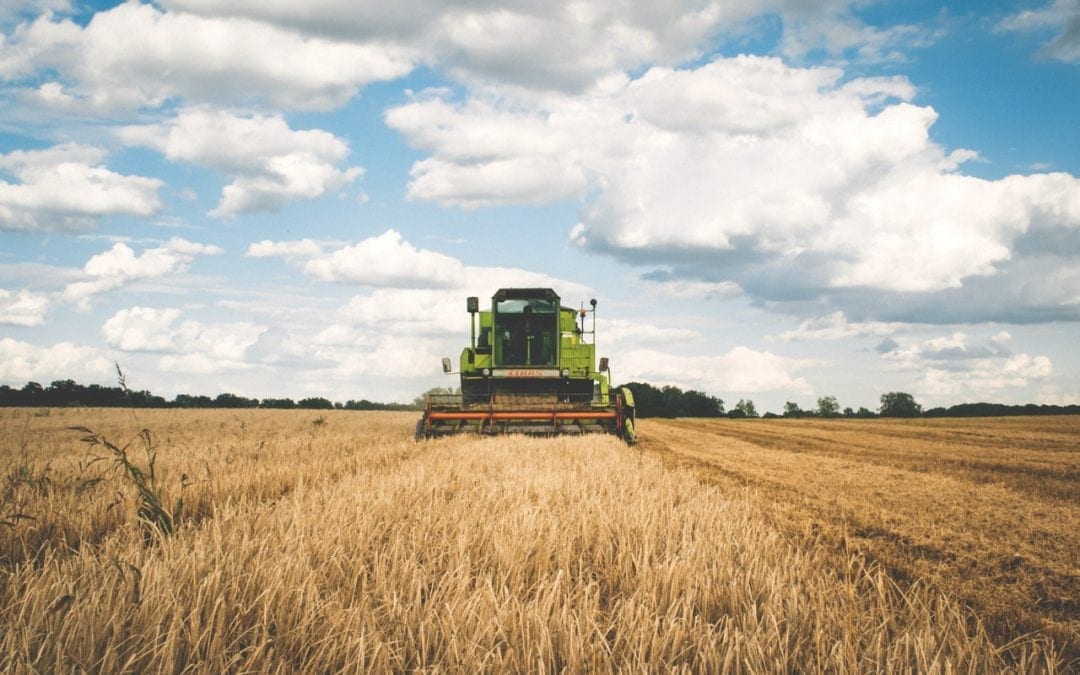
{"type": "Point", "coordinates": [531, 370]}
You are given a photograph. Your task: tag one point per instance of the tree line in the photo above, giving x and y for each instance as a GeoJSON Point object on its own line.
{"type": "Point", "coordinates": [671, 401]}
{"type": "Point", "coordinates": [66, 393]}
{"type": "Point", "coordinates": [1001, 410]}
{"type": "Point", "coordinates": [902, 404]}
{"type": "Point", "coordinates": [651, 401]}
{"type": "Point", "coordinates": [893, 404]}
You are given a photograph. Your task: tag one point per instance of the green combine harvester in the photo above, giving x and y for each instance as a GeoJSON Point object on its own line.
{"type": "Point", "coordinates": [531, 369]}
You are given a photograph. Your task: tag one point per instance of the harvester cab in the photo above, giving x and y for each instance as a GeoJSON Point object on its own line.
{"type": "Point", "coordinates": [530, 367]}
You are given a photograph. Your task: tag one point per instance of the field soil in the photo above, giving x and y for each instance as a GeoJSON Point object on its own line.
{"type": "Point", "coordinates": [315, 541]}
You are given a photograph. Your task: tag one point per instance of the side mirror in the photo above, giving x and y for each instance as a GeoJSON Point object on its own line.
{"type": "Point", "coordinates": [603, 364]}
{"type": "Point", "coordinates": [472, 304]}
{"type": "Point", "coordinates": [446, 365]}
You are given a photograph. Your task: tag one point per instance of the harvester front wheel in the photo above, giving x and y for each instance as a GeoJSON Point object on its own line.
{"type": "Point", "coordinates": [421, 432]}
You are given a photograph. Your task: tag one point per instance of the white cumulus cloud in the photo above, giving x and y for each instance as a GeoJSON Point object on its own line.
{"type": "Point", "coordinates": [510, 42]}
{"type": "Point", "coordinates": [141, 329]}
{"type": "Point", "coordinates": [741, 369]}
{"type": "Point", "coordinates": [187, 345]}
{"type": "Point", "coordinates": [1060, 19]}
{"type": "Point", "coordinates": [120, 265]}
{"type": "Point", "coordinates": [401, 311]}
{"type": "Point", "coordinates": [624, 334]}
{"type": "Point", "coordinates": [318, 55]}
{"type": "Point", "coordinates": [998, 381]}
{"type": "Point", "coordinates": [486, 41]}
{"type": "Point", "coordinates": [777, 179]}
{"type": "Point", "coordinates": [387, 260]}
{"type": "Point", "coordinates": [22, 361]}
{"type": "Point", "coordinates": [947, 351]}
{"type": "Point", "coordinates": [960, 365]}
{"type": "Point", "coordinates": [118, 59]}
{"type": "Point", "coordinates": [270, 164]}
{"type": "Point", "coordinates": [23, 308]}
{"type": "Point", "coordinates": [303, 248]}
{"type": "Point", "coordinates": [836, 326]}
{"type": "Point", "coordinates": [68, 187]}
{"type": "Point", "coordinates": [661, 285]}
{"type": "Point", "coordinates": [399, 356]}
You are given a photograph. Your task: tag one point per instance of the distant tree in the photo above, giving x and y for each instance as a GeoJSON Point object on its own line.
{"type": "Point", "coordinates": [865, 413]}
{"type": "Point", "coordinates": [70, 393]}
{"type": "Point", "coordinates": [364, 404]}
{"type": "Point", "coordinates": [828, 407]}
{"type": "Point", "coordinates": [32, 394]}
{"type": "Point", "coordinates": [106, 397]}
{"type": "Point", "coordinates": [1001, 409]}
{"type": "Point", "coordinates": [61, 392]}
{"type": "Point", "coordinates": [699, 404]}
{"type": "Point", "coordinates": [899, 404]}
{"type": "Point", "coordinates": [769, 415]}
{"type": "Point", "coordinates": [9, 396]}
{"type": "Point", "coordinates": [227, 400]}
{"type": "Point", "coordinates": [143, 399]}
{"type": "Point", "coordinates": [792, 409]}
{"type": "Point", "coordinates": [192, 401]}
{"type": "Point", "coordinates": [315, 403]}
{"type": "Point", "coordinates": [848, 412]}
{"type": "Point", "coordinates": [744, 408]}
{"type": "Point", "coordinates": [674, 403]}
{"type": "Point", "coordinates": [277, 403]}
{"type": "Point", "coordinates": [670, 401]}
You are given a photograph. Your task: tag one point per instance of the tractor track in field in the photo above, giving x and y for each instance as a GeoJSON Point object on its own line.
{"type": "Point", "coordinates": [1053, 473]}
{"type": "Point", "coordinates": [793, 523]}
{"type": "Point", "coordinates": [921, 523]}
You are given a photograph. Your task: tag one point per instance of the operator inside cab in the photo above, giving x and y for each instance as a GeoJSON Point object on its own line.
{"type": "Point", "coordinates": [525, 330]}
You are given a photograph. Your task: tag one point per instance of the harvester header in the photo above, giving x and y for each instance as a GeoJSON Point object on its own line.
{"type": "Point", "coordinates": [530, 367]}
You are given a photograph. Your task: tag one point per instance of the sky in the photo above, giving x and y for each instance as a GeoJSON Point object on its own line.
{"type": "Point", "coordinates": [773, 200]}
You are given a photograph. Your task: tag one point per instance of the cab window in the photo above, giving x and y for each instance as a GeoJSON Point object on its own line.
{"type": "Point", "coordinates": [525, 332]}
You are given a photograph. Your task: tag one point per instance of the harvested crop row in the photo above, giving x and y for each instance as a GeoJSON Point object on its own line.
{"type": "Point", "coordinates": [1008, 553]}
{"type": "Point", "coordinates": [1038, 456]}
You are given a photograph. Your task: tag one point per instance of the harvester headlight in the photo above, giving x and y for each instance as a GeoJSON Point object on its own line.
{"type": "Point", "coordinates": [566, 372]}
{"type": "Point", "coordinates": [486, 372]}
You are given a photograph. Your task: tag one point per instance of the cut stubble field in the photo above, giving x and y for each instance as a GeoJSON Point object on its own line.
{"type": "Point", "coordinates": [328, 541]}
{"type": "Point", "coordinates": [986, 510]}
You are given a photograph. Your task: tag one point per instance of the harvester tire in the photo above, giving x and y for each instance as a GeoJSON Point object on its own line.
{"type": "Point", "coordinates": [420, 432]}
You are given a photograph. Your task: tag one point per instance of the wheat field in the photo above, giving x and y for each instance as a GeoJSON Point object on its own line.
{"type": "Point", "coordinates": [326, 541]}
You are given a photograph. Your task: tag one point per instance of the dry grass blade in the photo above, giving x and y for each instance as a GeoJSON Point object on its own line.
{"type": "Point", "coordinates": [157, 519]}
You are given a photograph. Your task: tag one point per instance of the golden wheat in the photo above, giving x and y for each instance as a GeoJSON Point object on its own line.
{"type": "Point", "coordinates": [330, 541]}
{"type": "Point", "coordinates": [919, 497]}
